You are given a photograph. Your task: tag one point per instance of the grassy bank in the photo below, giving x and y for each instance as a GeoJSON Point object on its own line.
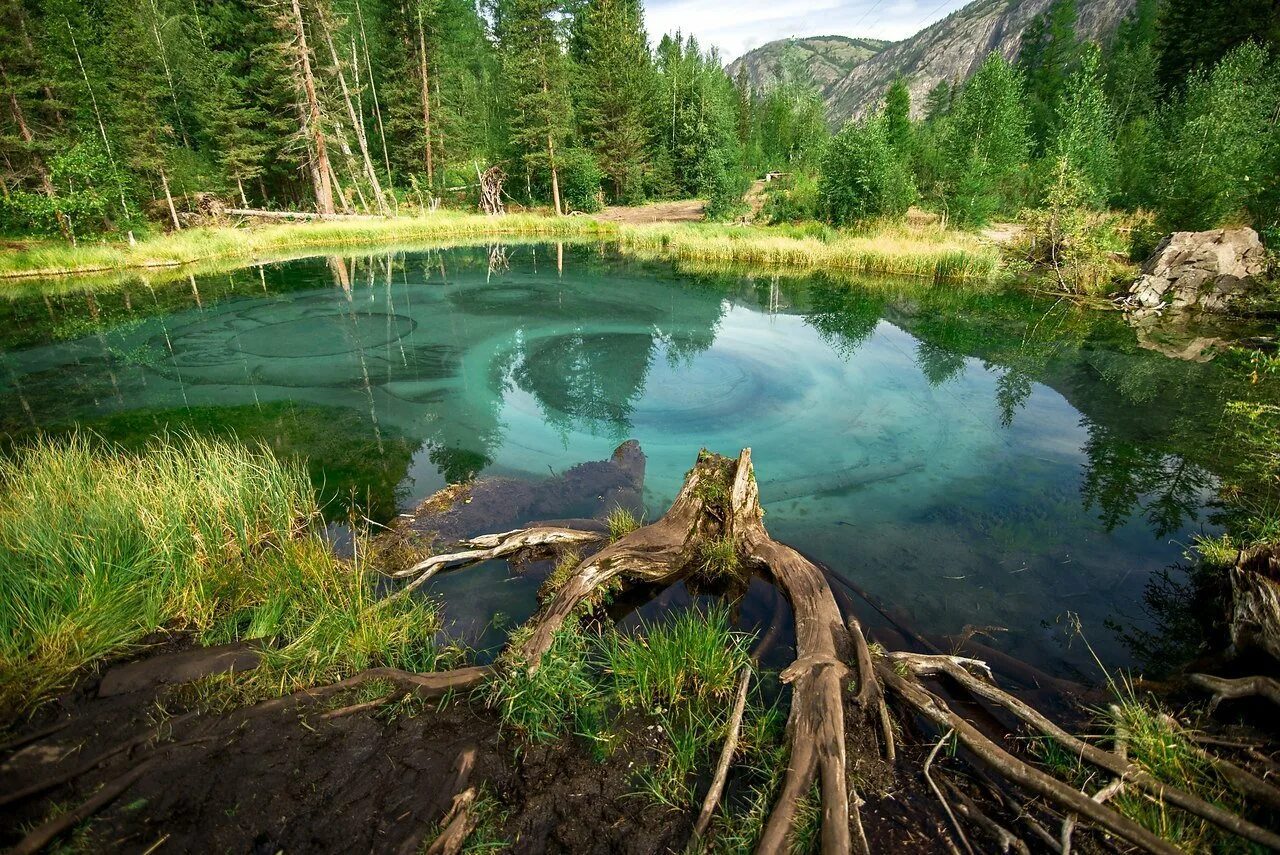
{"type": "Point", "coordinates": [892, 249]}
{"type": "Point", "coordinates": [100, 548]}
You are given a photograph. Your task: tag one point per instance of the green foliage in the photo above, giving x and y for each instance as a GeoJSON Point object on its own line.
{"type": "Point", "coordinates": [621, 522]}
{"type": "Point", "coordinates": [1086, 131]}
{"type": "Point", "coordinates": [542, 706]}
{"type": "Point", "coordinates": [1069, 236]}
{"type": "Point", "coordinates": [985, 145]}
{"type": "Point", "coordinates": [897, 117]}
{"type": "Point", "coordinates": [791, 201]}
{"type": "Point", "coordinates": [198, 535]}
{"type": "Point", "coordinates": [616, 85]}
{"type": "Point", "coordinates": [717, 557]}
{"type": "Point", "coordinates": [1048, 56]}
{"type": "Point", "coordinates": [580, 178]}
{"type": "Point", "coordinates": [863, 175]}
{"type": "Point", "coordinates": [1223, 143]}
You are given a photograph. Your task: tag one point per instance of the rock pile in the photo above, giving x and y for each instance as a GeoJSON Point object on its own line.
{"type": "Point", "coordinates": [1201, 270]}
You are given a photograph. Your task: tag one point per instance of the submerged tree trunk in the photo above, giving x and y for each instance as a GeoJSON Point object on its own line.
{"type": "Point", "coordinates": [322, 170]}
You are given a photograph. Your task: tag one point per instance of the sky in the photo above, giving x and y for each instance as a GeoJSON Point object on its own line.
{"type": "Point", "coordinates": [737, 26]}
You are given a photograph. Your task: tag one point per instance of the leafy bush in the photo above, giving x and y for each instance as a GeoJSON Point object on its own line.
{"type": "Point", "coordinates": [863, 175]}
{"type": "Point", "coordinates": [791, 201]}
{"type": "Point", "coordinates": [580, 179]}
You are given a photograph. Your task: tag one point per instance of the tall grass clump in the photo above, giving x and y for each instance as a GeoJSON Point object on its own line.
{"type": "Point", "coordinates": [542, 706]}
{"type": "Point", "coordinates": [100, 547]}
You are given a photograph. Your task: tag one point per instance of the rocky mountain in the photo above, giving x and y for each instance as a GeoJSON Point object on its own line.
{"type": "Point", "coordinates": [949, 49]}
{"type": "Point", "coordinates": [828, 59]}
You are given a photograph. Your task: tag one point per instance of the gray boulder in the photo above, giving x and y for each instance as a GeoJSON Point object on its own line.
{"type": "Point", "coordinates": [1208, 271]}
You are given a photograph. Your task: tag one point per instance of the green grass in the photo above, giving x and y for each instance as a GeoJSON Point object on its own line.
{"type": "Point", "coordinates": [717, 556]}
{"type": "Point", "coordinates": [887, 248]}
{"type": "Point", "coordinates": [542, 706]}
{"type": "Point", "coordinates": [100, 547]}
{"type": "Point", "coordinates": [621, 522]}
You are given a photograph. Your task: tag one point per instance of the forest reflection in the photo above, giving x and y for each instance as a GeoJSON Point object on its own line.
{"type": "Point", "coordinates": [268, 353]}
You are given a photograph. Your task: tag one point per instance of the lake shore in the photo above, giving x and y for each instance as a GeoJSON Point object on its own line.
{"type": "Point", "coordinates": [897, 249]}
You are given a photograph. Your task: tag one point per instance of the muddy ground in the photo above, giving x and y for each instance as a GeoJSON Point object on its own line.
{"type": "Point", "coordinates": [286, 779]}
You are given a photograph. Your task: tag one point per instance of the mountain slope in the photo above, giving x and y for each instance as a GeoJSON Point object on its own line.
{"type": "Point", "coordinates": [953, 48]}
{"type": "Point", "coordinates": [828, 59]}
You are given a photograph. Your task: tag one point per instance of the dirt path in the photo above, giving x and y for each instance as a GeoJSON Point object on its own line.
{"type": "Point", "coordinates": [683, 211]}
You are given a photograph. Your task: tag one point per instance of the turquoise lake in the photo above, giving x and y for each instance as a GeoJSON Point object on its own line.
{"type": "Point", "coordinates": [973, 460]}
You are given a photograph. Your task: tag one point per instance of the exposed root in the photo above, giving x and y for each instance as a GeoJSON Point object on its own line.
{"type": "Point", "coordinates": [54, 828]}
{"type": "Point", "coordinates": [946, 806]}
{"type": "Point", "coordinates": [1018, 771]}
{"type": "Point", "coordinates": [354, 709]}
{"type": "Point", "coordinates": [490, 546]}
{"type": "Point", "coordinates": [428, 686]}
{"type": "Point", "coordinates": [870, 692]}
{"type": "Point", "coordinates": [1224, 689]}
{"type": "Point", "coordinates": [1005, 839]}
{"type": "Point", "coordinates": [726, 757]}
{"type": "Point", "coordinates": [35, 736]}
{"type": "Point", "coordinates": [1119, 766]}
{"type": "Point", "coordinates": [1239, 778]}
{"type": "Point", "coordinates": [457, 824]}
{"type": "Point", "coordinates": [90, 765]}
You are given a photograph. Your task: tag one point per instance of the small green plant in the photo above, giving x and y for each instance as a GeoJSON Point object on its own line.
{"type": "Point", "coordinates": [621, 522]}
{"type": "Point", "coordinates": [695, 657]}
{"type": "Point", "coordinates": [541, 706]}
{"type": "Point", "coordinates": [567, 562]}
{"type": "Point", "coordinates": [717, 557]}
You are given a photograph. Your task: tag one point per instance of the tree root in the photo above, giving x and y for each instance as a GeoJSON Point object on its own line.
{"type": "Point", "coordinates": [1224, 689]}
{"type": "Point", "coordinates": [490, 546]}
{"type": "Point", "coordinates": [35, 736]}
{"type": "Point", "coordinates": [1241, 779]}
{"type": "Point", "coordinates": [457, 825]}
{"type": "Point", "coordinates": [1017, 771]}
{"type": "Point", "coordinates": [1121, 767]}
{"type": "Point", "coordinates": [726, 757]}
{"type": "Point", "coordinates": [1003, 837]}
{"type": "Point", "coordinates": [428, 685]}
{"type": "Point", "coordinates": [946, 806]}
{"type": "Point", "coordinates": [870, 692]}
{"type": "Point", "coordinates": [89, 765]}
{"type": "Point", "coordinates": [59, 825]}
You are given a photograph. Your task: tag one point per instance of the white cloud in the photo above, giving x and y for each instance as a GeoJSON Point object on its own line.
{"type": "Point", "coordinates": [736, 27]}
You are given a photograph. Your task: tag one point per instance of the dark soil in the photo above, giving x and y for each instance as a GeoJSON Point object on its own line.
{"type": "Point", "coordinates": [284, 779]}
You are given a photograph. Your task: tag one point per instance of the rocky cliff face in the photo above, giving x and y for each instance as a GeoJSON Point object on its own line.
{"type": "Point", "coordinates": [953, 48]}
{"type": "Point", "coordinates": [828, 59]}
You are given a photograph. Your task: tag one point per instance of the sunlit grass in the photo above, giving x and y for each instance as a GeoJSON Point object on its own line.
{"type": "Point", "coordinates": [100, 548]}
{"type": "Point", "coordinates": [884, 248]}
{"type": "Point", "coordinates": [621, 522]}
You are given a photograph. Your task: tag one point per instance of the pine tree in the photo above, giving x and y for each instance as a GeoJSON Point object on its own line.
{"type": "Point", "coordinates": [938, 102]}
{"type": "Point", "coordinates": [1192, 35]}
{"type": "Point", "coordinates": [535, 74]}
{"type": "Point", "coordinates": [616, 83]}
{"type": "Point", "coordinates": [1049, 53]}
{"type": "Point", "coordinates": [897, 116]}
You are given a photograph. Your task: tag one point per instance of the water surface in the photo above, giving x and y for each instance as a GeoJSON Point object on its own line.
{"type": "Point", "coordinates": [974, 460]}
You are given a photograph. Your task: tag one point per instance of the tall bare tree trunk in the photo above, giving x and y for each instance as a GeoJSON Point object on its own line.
{"type": "Point", "coordinates": [322, 170]}
{"type": "Point", "coordinates": [168, 198]}
{"type": "Point", "coordinates": [551, 158]}
{"type": "Point", "coordinates": [355, 120]}
{"type": "Point", "coordinates": [373, 90]}
{"type": "Point", "coordinates": [244, 200]}
{"type": "Point", "coordinates": [102, 129]}
{"type": "Point", "coordinates": [46, 183]}
{"type": "Point", "coordinates": [426, 96]}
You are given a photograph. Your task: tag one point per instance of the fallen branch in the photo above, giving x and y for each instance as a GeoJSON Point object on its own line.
{"type": "Point", "coordinates": [1119, 766]}
{"type": "Point", "coordinates": [1225, 689]}
{"type": "Point", "coordinates": [726, 757]}
{"type": "Point", "coordinates": [463, 765]}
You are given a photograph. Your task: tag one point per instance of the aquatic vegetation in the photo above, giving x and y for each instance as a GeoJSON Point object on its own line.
{"type": "Point", "coordinates": [100, 547]}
